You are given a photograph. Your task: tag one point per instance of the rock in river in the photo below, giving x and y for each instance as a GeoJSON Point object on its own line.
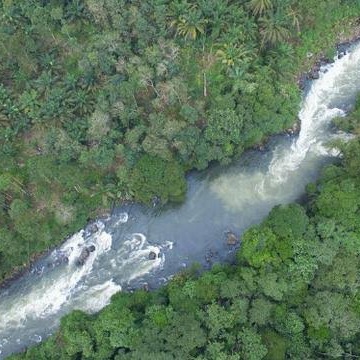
{"type": "Point", "coordinates": [85, 253]}
{"type": "Point", "coordinates": [93, 228]}
{"type": "Point", "coordinates": [231, 238]}
{"type": "Point", "coordinates": [152, 255]}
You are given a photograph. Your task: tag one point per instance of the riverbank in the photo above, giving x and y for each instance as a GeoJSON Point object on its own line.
{"type": "Point", "coordinates": [276, 254]}
{"type": "Point", "coordinates": [270, 300]}
{"type": "Point", "coordinates": [20, 271]}
{"type": "Point", "coordinates": [64, 158]}
{"type": "Point", "coordinates": [321, 59]}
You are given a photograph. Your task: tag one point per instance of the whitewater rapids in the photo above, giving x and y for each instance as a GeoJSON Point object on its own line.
{"type": "Point", "coordinates": [218, 200]}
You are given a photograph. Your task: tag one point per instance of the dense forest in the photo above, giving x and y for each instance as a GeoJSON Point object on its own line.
{"type": "Point", "coordinates": [294, 292]}
{"type": "Point", "coordinates": [104, 101]}
{"type": "Point", "coordinates": [114, 100]}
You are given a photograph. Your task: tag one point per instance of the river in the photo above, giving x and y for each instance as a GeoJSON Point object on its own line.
{"type": "Point", "coordinates": [220, 199]}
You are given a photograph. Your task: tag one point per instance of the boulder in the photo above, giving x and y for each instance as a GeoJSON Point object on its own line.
{"type": "Point", "coordinates": [155, 200]}
{"type": "Point", "coordinates": [294, 130]}
{"type": "Point", "coordinates": [93, 228]}
{"type": "Point", "coordinates": [317, 67]}
{"type": "Point", "coordinates": [296, 127]}
{"type": "Point", "coordinates": [85, 253]}
{"type": "Point", "coordinates": [231, 238]}
{"type": "Point", "coordinates": [302, 81]}
{"type": "Point", "coordinates": [343, 47]}
{"type": "Point", "coordinates": [91, 248]}
{"type": "Point", "coordinates": [314, 74]}
{"type": "Point", "coordinates": [90, 229]}
{"type": "Point", "coordinates": [152, 255]}
{"type": "Point", "coordinates": [209, 256]}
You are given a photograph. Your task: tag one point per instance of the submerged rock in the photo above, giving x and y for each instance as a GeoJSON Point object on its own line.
{"type": "Point", "coordinates": [152, 255]}
{"type": "Point", "coordinates": [60, 257]}
{"type": "Point", "coordinates": [314, 74]}
{"type": "Point", "coordinates": [93, 228]}
{"type": "Point", "coordinates": [90, 230]}
{"type": "Point", "coordinates": [302, 81]}
{"type": "Point", "coordinates": [342, 48]}
{"type": "Point", "coordinates": [210, 255]}
{"type": "Point", "coordinates": [62, 260]}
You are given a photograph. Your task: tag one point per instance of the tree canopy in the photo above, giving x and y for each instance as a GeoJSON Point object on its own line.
{"type": "Point", "coordinates": [103, 101]}
{"type": "Point", "coordinates": [293, 293]}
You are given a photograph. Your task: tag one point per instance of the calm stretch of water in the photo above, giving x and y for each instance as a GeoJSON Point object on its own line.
{"type": "Point", "coordinates": [218, 200]}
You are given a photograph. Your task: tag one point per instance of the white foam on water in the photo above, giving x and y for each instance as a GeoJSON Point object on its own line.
{"type": "Point", "coordinates": [50, 293]}
{"type": "Point", "coordinates": [123, 218]}
{"type": "Point", "coordinates": [36, 338]}
{"type": "Point", "coordinates": [97, 297]}
{"type": "Point", "coordinates": [131, 262]}
{"type": "Point", "coordinates": [286, 168]}
{"type": "Point", "coordinates": [90, 287]}
{"type": "Point", "coordinates": [168, 245]}
{"type": "Point", "coordinates": [132, 259]}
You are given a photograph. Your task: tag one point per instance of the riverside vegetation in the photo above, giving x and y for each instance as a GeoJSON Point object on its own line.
{"type": "Point", "coordinates": [294, 292]}
{"type": "Point", "coordinates": [104, 101]}
{"type": "Point", "coordinates": [113, 100]}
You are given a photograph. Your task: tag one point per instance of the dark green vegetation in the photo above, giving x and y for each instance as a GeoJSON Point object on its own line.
{"type": "Point", "coordinates": [102, 101]}
{"type": "Point", "coordinates": [293, 294]}
{"type": "Point", "coordinates": [99, 98]}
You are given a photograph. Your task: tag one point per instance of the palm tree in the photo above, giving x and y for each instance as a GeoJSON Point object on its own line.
{"type": "Point", "coordinates": [80, 101]}
{"type": "Point", "coordinates": [75, 10]}
{"type": "Point", "coordinates": [216, 12]}
{"type": "Point", "coordinates": [29, 103]}
{"type": "Point", "coordinates": [281, 59]}
{"type": "Point", "coordinates": [273, 30]}
{"type": "Point", "coordinates": [259, 7]}
{"type": "Point", "coordinates": [189, 24]}
{"type": "Point", "coordinates": [295, 17]}
{"type": "Point", "coordinates": [231, 54]}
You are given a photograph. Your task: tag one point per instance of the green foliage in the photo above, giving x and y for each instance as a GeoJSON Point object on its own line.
{"type": "Point", "coordinates": [293, 294]}
{"type": "Point", "coordinates": [260, 246]}
{"type": "Point", "coordinates": [153, 177]}
{"type": "Point", "coordinates": [283, 215]}
{"type": "Point", "coordinates": [275, 344]}
{"type": "Point", "coordinates": [90, 87]}
{"type": "Point", "coordinates": [76, 335]}
{"type": "Point", "coordinates": [102, 101]}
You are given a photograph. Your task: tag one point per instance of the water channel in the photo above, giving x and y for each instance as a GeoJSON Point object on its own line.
{"type": "Point", "coordinates": [220, 199]}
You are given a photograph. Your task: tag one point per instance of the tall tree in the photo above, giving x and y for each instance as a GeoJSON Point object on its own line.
{"type": "Point", "coordinates": [273, 29]}
{"type": "Point", "coordinates": [190, 24]}
{"type": "Point", "coordinates": [260, 7]}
